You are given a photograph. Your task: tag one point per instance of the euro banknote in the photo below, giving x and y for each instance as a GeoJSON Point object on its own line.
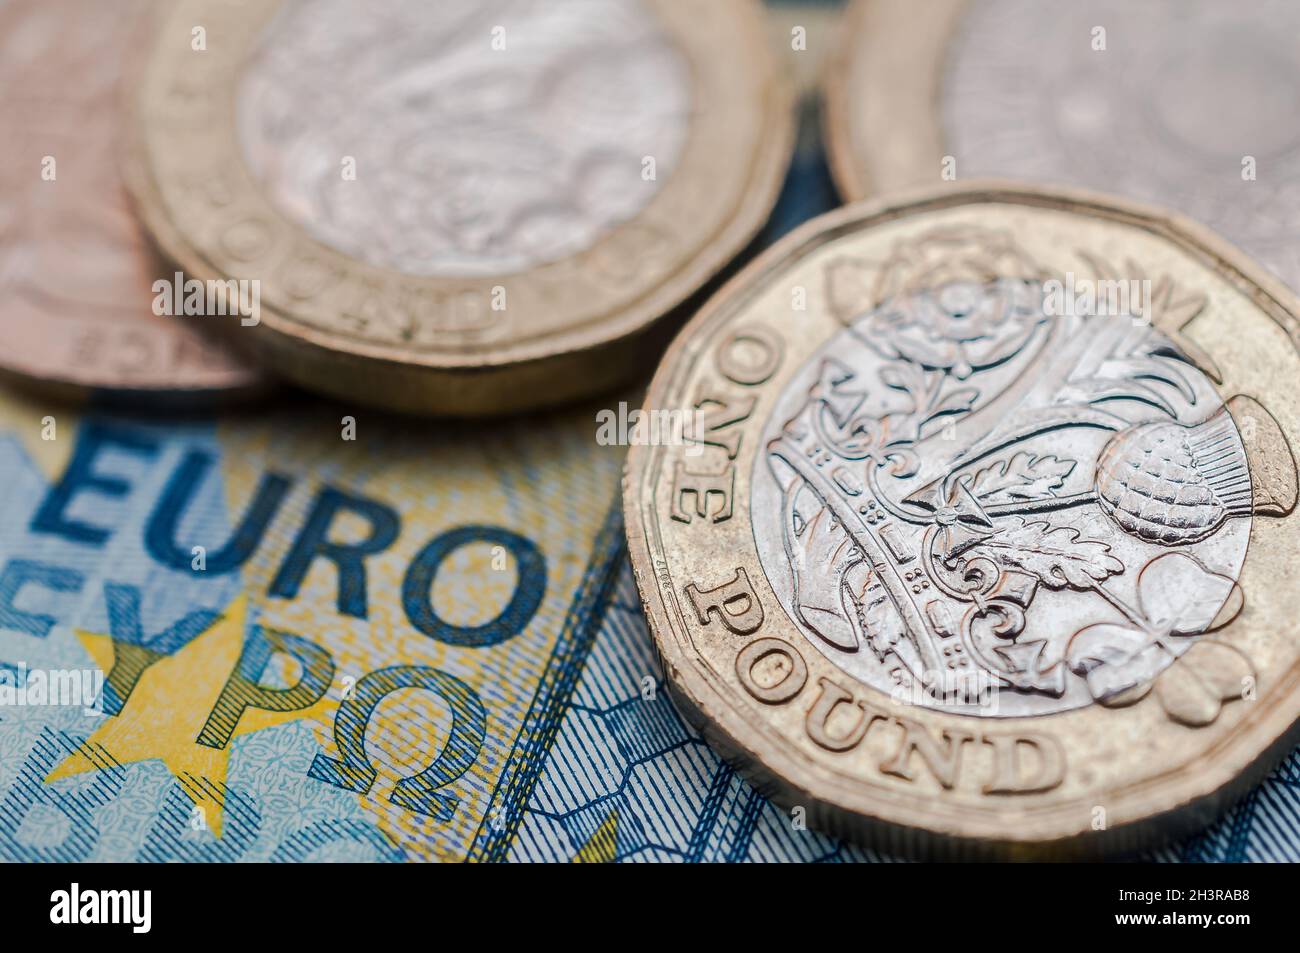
{"type": "Point", "coordinates": [311, 632]}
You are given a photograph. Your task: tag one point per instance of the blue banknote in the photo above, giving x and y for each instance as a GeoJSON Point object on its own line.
{"type": "Point", "coordinates": [253, 637]}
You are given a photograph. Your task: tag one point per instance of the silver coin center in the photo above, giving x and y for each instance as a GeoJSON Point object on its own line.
{"type": "Point", "coordinates": [1007, 514]}
{"type": "Point", "coordinates": [1188, 103]}
{"type": "Point", "coordinates": [463, 137]}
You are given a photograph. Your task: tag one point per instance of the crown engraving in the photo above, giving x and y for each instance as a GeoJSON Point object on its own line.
{"type": "Point", "coordinates": [963, 490]}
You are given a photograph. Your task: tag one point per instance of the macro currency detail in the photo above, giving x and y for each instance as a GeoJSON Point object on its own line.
{"type": "Point", "coordinates": [615, 773]}
{"type": "Point", "coordinates": [266, 597]}
{"type": "Point", "coordinates": [459, 209]}
{"type": "Point", "coordinates": [486, 158]}
{"type": "Point", "coordinates": [963, 556]}
{"type": "Point", "coordinates": [612, 773]}
{"type": "Point", "coordinates": [76, 268]}
{"type": "Point", "coordinates": [1186, 103]}
{"type": "Point", "coordinates": [1212, 134]}
{"type": "Point", "coordinates": [948, 472]}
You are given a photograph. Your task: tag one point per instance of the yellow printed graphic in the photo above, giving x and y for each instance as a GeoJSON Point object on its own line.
{"type": "Point", "coordinates": [169, 706]}
{"type": "Point", "coordinates": [602, 847]}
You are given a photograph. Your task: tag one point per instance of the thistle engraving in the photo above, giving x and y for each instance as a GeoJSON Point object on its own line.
{"type": "Point", "coordinates": [1012, 512]}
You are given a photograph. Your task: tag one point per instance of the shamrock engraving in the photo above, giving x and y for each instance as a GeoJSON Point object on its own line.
{"type": "Point", "coordinates": [1177, 598]}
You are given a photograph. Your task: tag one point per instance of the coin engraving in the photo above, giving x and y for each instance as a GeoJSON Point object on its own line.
{"type": "Point", "coordinates": [431, 196]}
{"type": "Point", "coordinates": [703, 488]}
{"type": "Point", "coordinates": [791, 674]}
{"type": "Point", "coordinates": [732, 603]}
{"type": "Point", "coordinates": [975, 537]}
{"type": "Point", "coordinates": [469, 158]}
{"type": "Point", "coordinates": [928, 504]}
{"type": "Point", "coordinates": [1012, 763]}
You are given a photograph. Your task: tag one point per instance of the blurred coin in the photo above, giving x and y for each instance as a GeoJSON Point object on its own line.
{"type": "Point", "coordinates": [978, 539]}
{"type": "Point", "coordinates": [461, 207]}
{"type": "Point", "coordinates": [76, 269]}
{"type": "Point", "coordinates": [1189, 103]}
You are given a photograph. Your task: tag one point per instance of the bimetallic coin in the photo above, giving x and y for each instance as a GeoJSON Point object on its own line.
{"type": "Point", "coordinates": [1188, 103]}
{"type": "Point", "coordinates": [461, 207]}
{"type": "Point", "coordinates": [76, 269]}
{"type": "Point", "coordinates": [983, 541]}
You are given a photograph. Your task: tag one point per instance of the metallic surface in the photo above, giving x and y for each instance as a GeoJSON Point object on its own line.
{"type": "Point", "coordinates": [471, 160]}
{"type": "Point", "coordinates": [987, 474]}
{"type": "Point", "coordinates": [464, 343]}
{"type": "Point", "coordinates": [958, 571]}
{"type": "Point", "coordinates": [76, 270]}
{"type": "Point", "coordinates": [1189, 103]}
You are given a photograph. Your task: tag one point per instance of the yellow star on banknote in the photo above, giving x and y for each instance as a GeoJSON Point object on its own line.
{"type": "Point", "coordinates": [168, 707]}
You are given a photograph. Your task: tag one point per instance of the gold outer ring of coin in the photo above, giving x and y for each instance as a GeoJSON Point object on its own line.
{"type": "Point", "coordinates": [887, 73]}
{"type": "Point", "coordinates": [572, 328]}
{"type": "Point", "coordinates": [1145, 773]}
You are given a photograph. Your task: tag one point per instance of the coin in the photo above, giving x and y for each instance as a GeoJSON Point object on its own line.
{"type": "Point", "coordinates": [983, 538]}
{"type": "Point", "coordinates": [468, 207]}
{"type": "Point", "coordinates": [76, 270]}
{"type": "Point", "coordinates": [1188, 103]}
